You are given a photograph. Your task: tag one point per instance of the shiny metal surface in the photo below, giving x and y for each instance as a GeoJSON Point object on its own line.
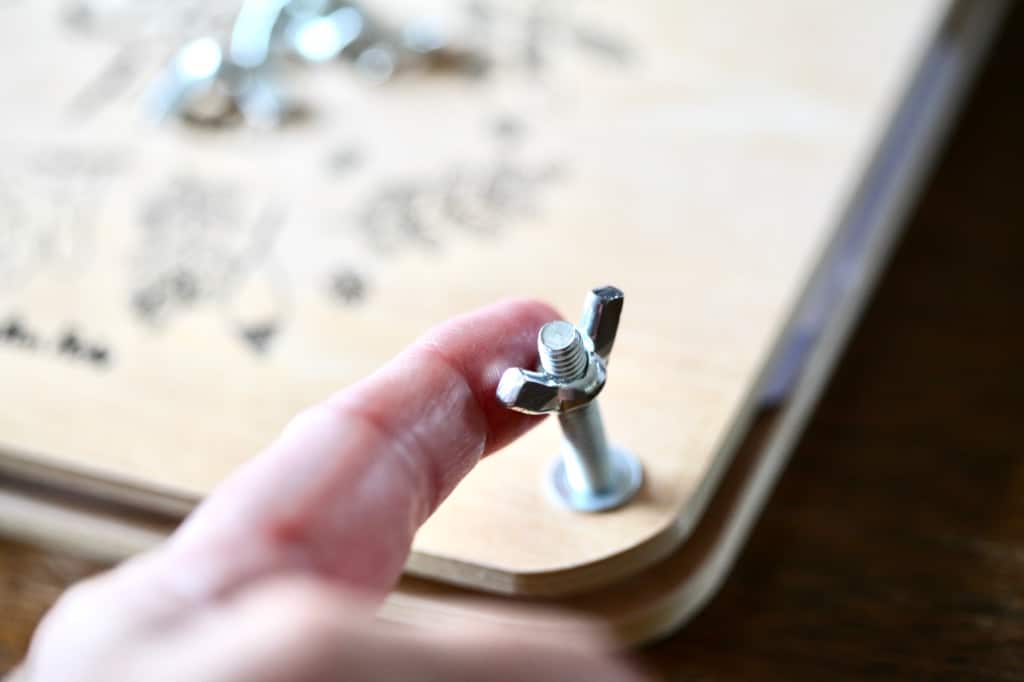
{"type": "Point", "coordinates": [207, 83]}
{"type": "Point", "coordinates": [590, 475]}
{"type": "Point", "coordinates": [600, 321]}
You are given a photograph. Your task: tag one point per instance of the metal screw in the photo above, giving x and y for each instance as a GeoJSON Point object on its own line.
{"type": "Point", "coordinates": [211, 84]}
{"type": "Point", "coordinates": [204, 85]}
{"type": "Point", "coordinates": [590, 474]}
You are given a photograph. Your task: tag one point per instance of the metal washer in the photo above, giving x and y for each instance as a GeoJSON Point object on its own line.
{"type": "Point", "coordinates": [629, 477]}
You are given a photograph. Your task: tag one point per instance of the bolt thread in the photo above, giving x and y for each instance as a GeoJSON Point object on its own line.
{"type": "Point", "coordinates": [562, 353]}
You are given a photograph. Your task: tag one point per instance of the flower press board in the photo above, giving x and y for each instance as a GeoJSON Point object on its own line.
{"type": "Point", "coordinates": [171, 295]}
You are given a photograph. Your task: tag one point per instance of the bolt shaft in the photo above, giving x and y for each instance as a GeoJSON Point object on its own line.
{"type": "Point", "coordinates": [588, 464]}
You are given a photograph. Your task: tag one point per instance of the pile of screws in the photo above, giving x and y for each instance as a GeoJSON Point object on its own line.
{"type": "Point", "coordinates": [210, 84]}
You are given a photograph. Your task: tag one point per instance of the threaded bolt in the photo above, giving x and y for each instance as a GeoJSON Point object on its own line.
{"type": "Point", "coordinates": [591, 474]}
{"type": "Point", "coordinates": [561, 349]}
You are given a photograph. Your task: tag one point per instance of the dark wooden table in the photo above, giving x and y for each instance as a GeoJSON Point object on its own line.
{"type": "Point", "coordinates": [893, 547]}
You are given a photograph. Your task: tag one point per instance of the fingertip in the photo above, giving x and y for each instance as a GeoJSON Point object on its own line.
{"type": "Point", "coordinates": [348, 482]}
{"type": "Point", "coordinates": [530, 308]}
{"type": "Point", "coordinates": [482, 345]}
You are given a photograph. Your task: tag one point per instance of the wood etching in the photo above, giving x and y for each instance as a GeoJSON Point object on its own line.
{"type": "Point", "coordinates": [190, 288]}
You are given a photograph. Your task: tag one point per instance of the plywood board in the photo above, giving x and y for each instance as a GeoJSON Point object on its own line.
{"type": "Point", "coordinates": [169, 296]}
{"type": "Point", "coordinates": [665, 595]}
{"type": "Point", "coordinates": [638, 610]}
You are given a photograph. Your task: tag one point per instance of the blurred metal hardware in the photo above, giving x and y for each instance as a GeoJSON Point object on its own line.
{"type": "Point", "coordinates": [209, 84]}
{"type": "Point", "coordinates": [590, 474]}
{"type": "Point", "coordinates": [203, 85]}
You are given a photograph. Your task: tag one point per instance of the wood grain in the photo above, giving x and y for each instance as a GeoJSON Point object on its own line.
{"type": "Point", "coordinates": [655, 157]}
{"type": "Point", "coordinates": [891, 550]}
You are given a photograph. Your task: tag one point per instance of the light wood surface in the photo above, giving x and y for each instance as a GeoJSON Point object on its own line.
{"type": "Point", "coordinates": [705, 171]}
{"type": "Point", "coordinates": [897, 528]}
{"type": "Point", "coordinates": [648, 605]}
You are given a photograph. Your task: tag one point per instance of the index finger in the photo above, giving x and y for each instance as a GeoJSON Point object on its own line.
{"type": "Point", "coordinates": [344, 488]}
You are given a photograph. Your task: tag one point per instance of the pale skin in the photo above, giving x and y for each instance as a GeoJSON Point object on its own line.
{"type": "Point", "coordinates": [276, 576]}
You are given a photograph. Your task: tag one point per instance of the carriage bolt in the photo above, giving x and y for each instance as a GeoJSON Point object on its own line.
{"type": "Point", "coordinates": [590, 474]}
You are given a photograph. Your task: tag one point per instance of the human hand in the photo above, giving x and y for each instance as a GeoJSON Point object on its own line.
{"type": "Point", "coordinates": [277, 574]}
